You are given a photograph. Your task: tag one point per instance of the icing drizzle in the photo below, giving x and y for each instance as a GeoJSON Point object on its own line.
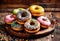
{"type": "Point", "coordinates": [34, 26]}
{"type": "Point", "coordinates": [15, 24]}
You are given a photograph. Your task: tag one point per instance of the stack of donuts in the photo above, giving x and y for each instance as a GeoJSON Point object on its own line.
{"type": "Point", "coordinates": [23, 19]}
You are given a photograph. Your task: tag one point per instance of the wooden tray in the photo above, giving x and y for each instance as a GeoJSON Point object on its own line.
{"type": "Point", "coordinates": [24, 34]}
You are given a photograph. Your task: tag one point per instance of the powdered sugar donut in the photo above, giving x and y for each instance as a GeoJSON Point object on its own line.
{"type": "Point", "coordinates": [44, 21]}
{"type": "Point", "coordinates": [9, 18]}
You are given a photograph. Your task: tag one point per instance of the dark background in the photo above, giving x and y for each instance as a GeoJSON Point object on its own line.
{"type": "Point", "coordinates": [26, 3]}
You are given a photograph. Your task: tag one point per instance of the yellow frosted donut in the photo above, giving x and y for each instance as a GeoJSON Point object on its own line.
{"type": "Point", "coordinates": [36, 10]}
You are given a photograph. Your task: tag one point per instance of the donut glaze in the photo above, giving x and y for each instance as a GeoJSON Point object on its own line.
{"type": "Point", "coordinates": [23, 15]}
{"type": "Point", "coordinates": [15, 11]}
{"type": "Point", "coordinates": [44, 20]}
{"type": "Point", "coordinates": [9, 18]}
{"type": "Point", "coordinates": [36, 10]}
{"type": "Point", "coordinates": [16, 26]}
{"type": "Point", "coordinates": [34, 26]}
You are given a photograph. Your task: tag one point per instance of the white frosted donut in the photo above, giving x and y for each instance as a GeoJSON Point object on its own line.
{"type": "Point", "coordinates": [44, 20]}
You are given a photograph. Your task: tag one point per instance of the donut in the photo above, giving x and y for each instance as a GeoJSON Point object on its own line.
{"type": "Point", "coordinates": [44, 21]}
{"type": "Point", "coordinates": [36, 10]}
{"type": "Point", "coordinates": [23, 16]}
{"type": "Point", "coordinates": [16, 26]}
{"type": "Point", "coordinates": [32, 27]}
{"type": "Point", "coordinates": [9, 19]}
{"type": "Point", "coordinates": [15, 11]}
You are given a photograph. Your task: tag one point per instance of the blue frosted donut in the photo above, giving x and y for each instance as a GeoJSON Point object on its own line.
{"type": "Point", "coordinates": [16, 26]}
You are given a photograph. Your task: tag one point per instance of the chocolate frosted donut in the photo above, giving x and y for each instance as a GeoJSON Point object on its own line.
{"type": "Point", "coordinates": [23, 16]}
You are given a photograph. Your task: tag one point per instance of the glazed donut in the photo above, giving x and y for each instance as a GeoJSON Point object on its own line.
{"type": "Point", "coordinates": [44, 21]}
{"type": "Point", "coordinates": [32, 27]}
{"type": "Point", "coordinates": [9, 19]}
{"type": "Point", "coordinates": [16, 26]}
{"type": "Point", "coordinates": [15, 11]}
{"type": "Point", "coordinates": [23, 16]}
{"type": "Point", "coordinates": [36, 10]}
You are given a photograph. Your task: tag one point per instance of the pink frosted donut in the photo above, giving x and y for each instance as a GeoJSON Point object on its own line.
{"type": "Point", "coordinates": [9, 18]}
{"type": "Point", "coordinates": [44, 21]}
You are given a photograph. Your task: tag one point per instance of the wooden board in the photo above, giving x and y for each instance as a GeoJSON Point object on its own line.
{"type": "Point", "coordinates": [25, 34]}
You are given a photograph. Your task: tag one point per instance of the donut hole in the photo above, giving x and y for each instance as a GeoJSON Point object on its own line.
{"type": "Point", "coordinates": [24, 14]}
{"type": "Point", "coordinates": [32, 23]}
{"type": "Point", "coordinates": [12, 16]}
{"type": "Point", "coordinates": [16, 23]}
{"type": "Point", "coordinates": [36, 8]}
{"type": "Point", "coordinates": [44, 19]}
